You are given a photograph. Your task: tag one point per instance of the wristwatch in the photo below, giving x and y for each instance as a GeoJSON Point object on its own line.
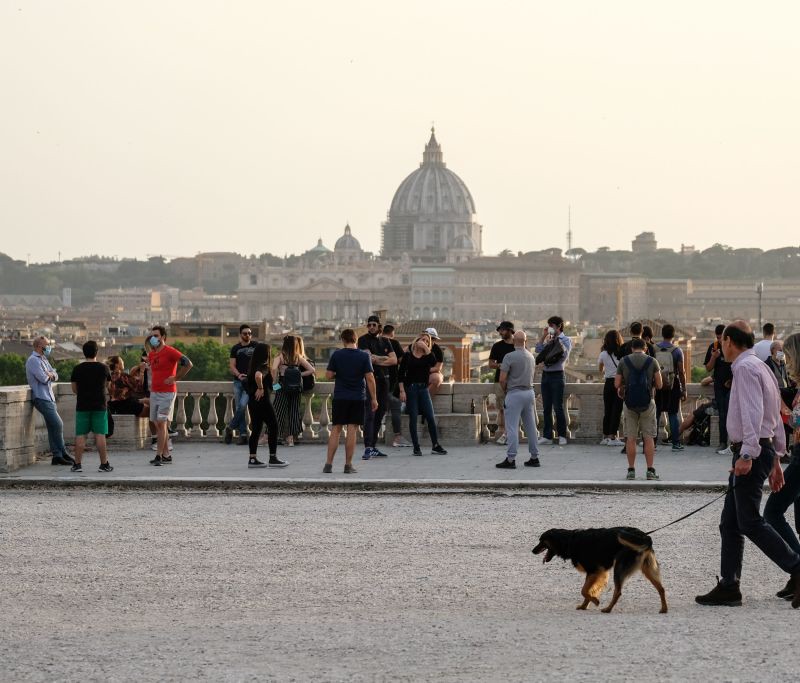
{"type": "Point", "coordinates": [746, 456]}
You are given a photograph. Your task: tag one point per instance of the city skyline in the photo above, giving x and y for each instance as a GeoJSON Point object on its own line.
{"type": "Point", "coordinates": [253, 129]}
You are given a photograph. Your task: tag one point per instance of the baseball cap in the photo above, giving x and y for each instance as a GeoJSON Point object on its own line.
{"type": "Point", "coordinates": [506, 325]}
{"type": "Point", "coordinates": [373, 319]}
{"type": "Point", "coordinates": [432, 331]}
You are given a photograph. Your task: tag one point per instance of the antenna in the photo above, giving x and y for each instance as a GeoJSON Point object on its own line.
{"type": "Point", "coordinates": [569, 227]}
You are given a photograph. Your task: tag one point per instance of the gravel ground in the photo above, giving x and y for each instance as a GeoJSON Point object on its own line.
{"type": "Point", "coordinates": [175, 586]}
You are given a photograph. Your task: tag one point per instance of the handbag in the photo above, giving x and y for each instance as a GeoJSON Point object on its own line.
{"type": "Point", "coordinates": [552, 353]}
{"type": "Point", "coordinates": [309, 381]}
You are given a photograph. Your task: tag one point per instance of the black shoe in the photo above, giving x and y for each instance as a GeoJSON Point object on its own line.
{"type": "Point", "coordinates": [533, 462]}
{"type": "Point", "coordinates": [327, 469]}
{"type": "Point", "coordinates": [438, 450]}
{"type": "Point", "coordinates": [171, 432]}
{"type": "Point", "coordinates": [795, 581]}
{"type": "Point", "coordinates": [506, 464]}
{"type": "Point", "coordinates": [166, 459]}
{"type": "Point", "coordinates": [787, 592]}
{"type": "Point", "coordinates": [156, 461]}
{"type": "Point", "coordinates": [242, 441]}
{"type": "Point", "coordinates": [228, 435]}
{"type": "Point", "coordinates": [255, 462]}
{"type": "Point", "coordinates": [728, 596]}
{"type": "Point", "coordinates": [417, 451]}
{"type": "Point", "coordinates": [105, 467]}
{"type": "Point", "coordinates": [624, 450]}
{"type": "Point", "coordinates": [68, 458]}
{"type": "Point", "coordinates": [76, 468]}
{"type": "Point", "coordinates": [274, 461]}
{"type": "Point", "coordinates": [58, 460]}
{"type": "Point", "coordinates": [378, 454]}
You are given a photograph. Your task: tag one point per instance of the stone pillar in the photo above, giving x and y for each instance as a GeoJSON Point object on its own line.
{"type": "Point", "coordinates": [17, 429]}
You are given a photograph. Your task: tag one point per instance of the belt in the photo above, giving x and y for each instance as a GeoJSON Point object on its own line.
{"type": "Point", "coordinates": [737, 445]}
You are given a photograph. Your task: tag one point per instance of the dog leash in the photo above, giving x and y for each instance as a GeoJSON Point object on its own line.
{"type": "Point", "coordinates": [694, 512]}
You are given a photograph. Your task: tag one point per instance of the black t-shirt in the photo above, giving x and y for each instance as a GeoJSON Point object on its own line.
{"type": "Point", "coordinates": [722, 368]}
{"type": "Point", "coordinates": [398, 351]}
{"type": "Point", "coordinates": [377, 346]}
{"type": "Point", "coordinates": [498, 352]}
{"type": "Point", "coordinates": [92, 377]}
{"type": "Point", "coordinates": [266, 380]}
{"type": "Point", "coordinates": [242, 353]}
{"type": "Point", "coordinates": [626, 350]}
{"type": "Point", "coordinates": [436, 350]}
{"type": "Point", "coordinates": [415, 370]}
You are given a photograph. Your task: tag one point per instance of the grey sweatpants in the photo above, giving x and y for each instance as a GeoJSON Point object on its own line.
{"type": "Point", "coordinates": [519, 404]}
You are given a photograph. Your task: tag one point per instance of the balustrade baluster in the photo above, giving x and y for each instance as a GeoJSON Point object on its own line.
{"type": "Point", "coordinates": [212, 430]}
{"type": "Point", "coordinates": [180, 414]}
{"type": "Point", "coordinates": [485, 434]}
{"type": "Point", "coordinates": [228, 408]}
{"type": "Point", "coordinates": [197, 418]}
{"type": "Point", "coordinates": [324, 420]}
{"type": "Point", "coordinates": [308, 419]}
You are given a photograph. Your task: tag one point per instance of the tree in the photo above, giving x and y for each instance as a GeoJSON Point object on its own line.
{"type": "Point", "coordinates": [12, 370]}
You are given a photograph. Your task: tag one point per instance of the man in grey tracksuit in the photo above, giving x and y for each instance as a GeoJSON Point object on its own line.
{"type": "Point", "coordinates": [516, 378]}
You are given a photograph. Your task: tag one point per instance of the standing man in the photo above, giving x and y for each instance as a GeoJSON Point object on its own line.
{"type": "Point", "coordinates": [716, 363]}
{"type": "Point", "coordinates": [668, 399]}
{"type": "Point", "coordinates": [756, 432]}
{"type": "Point", "coordinates": [167, 366]}
{"type": "Point", "coordinates": [637, 330]}
{"type": "Point", "coordinates": [351, 368]}
{"type": "Point", "coordinates": [637, 374]}
{"type": "Point", "coordinates": [395, 404]}
{"type": "Point", "coordinates": [516, 378]}
{"type": "Point", "coordinates": [762, 348]}
{"type": "Point", "coordinates": [90, 380]}
{"type": "Point", "coordinates": [41, 376]}
{"type": "Point", "coordinates": [238, 365]}
{"type": "Point", "coordinates": [436, 375]}
{"type": "Point", "coordinates": [499, 350]}
{"type": "Point", "coordinates": [553, 381]}
{"type": "Point", "coordinates": [383, 357]}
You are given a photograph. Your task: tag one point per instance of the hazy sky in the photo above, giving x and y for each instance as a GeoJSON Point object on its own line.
{"type": "Point", "coordinates": [134, 128]}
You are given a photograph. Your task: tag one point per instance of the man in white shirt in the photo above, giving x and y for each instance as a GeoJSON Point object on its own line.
{"type": "Point", "coordinates": [762, 348]}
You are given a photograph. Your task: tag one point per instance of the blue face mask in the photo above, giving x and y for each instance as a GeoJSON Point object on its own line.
{"type": "Point", "coordinates": [154, 342]}
{"type": "Point", "coordinates": [48, 350]}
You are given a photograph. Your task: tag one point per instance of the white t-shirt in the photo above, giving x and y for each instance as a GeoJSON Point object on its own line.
{"type": "Point", "coordinates": [609, 364]}
{"type": "Point", "coordinates": [762, 349]}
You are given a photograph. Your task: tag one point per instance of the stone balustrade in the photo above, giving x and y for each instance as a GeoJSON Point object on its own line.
{"type": "Point", "coordinates": [203, 408]}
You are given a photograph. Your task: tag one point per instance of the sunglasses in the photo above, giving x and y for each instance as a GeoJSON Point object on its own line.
{"type": "Point", "coordinates": [246, 334]}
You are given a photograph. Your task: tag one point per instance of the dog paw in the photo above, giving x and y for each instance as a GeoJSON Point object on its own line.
{"type": "Point", "coordinates": [606, 610]}
{"type": "Point", "coordinates": [663, 610]}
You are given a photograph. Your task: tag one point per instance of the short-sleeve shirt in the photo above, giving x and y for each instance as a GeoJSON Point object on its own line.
{"type": "Point", "coordinates": [377, 346]}
{"type": "Point", "coordinates": [610, 363]}
{"type": "Point", "coordinates": [722, 368]}
{"type": "Point", "coordinates": [91, 378]}
{"type": "Point", "coordinates": [350, 366]}
{"type": "Point", "coordinates": [415, 370]}
{"type": "Point", "coordinates": [520, 366]}
{"type": "Point", "coordinates": [499, 351]}
{"type": "Point", "coordinates": [242, 353]}
{"type": "Point", "coordinates": [626, 350]}
{"type": "Point", "coordinates": [163, 364]}
{"type": "Point", "coordinates": [436, 350]}
{"type": "Point", "coordinates": [638, 360]}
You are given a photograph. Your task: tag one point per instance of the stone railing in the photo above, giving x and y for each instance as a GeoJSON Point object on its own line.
{"type": "Point", "coordinates": [204, 408]}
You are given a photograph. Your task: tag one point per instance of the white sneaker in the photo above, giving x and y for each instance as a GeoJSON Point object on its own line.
{"type": "Point", "coordinates": [562, 441]}
{"type": "Point", "coordinates": [154, 446]}
{"type": "Point", "coordinates": [725, 451]}
{"type": "Point", "coordinates": [400, 442]}
{"type": "Point", "coordinates": [544, 441]}
{"type": "Point", "coordinates": [501, 440]}
{"type": "Point", "coordinates": [616, 442]}
{"type": "Point", "coordinates": [604, 442]}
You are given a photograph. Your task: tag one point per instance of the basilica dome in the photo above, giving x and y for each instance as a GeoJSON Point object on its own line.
{"type": "Point", "coordinates": [347, 242]}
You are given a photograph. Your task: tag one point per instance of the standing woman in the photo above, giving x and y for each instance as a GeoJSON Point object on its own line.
{"type": "Point", "coordinates": [259, 381]}
{"type": "Point", "coordinates": [412, 379]}
{"type": "Point", "coordinates": [607, 364]}
{"type": "Point", "coordinates": [287, 397]}
{"type": "Point", "coordinates": [780, 501]}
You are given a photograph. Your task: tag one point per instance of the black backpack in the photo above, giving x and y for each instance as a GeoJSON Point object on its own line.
{"type": "Point", "coordinates": [292, 379]}
{"type": "Point", "coordinates": [552, 353]}
{"type": "Point", "coordinates": [637, 388]}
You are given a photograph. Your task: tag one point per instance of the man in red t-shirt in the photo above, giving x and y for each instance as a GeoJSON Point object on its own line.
{"type": "Point", "coordinates": [167, 366]}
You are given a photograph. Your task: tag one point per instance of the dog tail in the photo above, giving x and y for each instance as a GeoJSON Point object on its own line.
{"type": "Point", "coordinates": [635, 539]}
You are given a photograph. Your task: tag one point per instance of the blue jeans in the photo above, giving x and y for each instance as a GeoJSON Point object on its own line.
{"type": "Point", "coordinates": [239, 420]}
{"type": "Point", "coordinates": [55, 426]}
{"type": "Point", "coordinates": [553, 400]}
{"type": "Point", "coordinates": [741, 517]}
{"type": "Point", "coordinates": [418, 400]}
{"type": "Point", "coordinates": [778, 503]}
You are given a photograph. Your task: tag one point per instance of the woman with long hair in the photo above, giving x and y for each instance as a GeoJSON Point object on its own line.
{"type": "Point", "coordinates": [779, 501]}
{"type": "Point", "coordinates": [412, 379]}
{"type": "Point", "coordinates": [607, 363]}
{"type": "Point", "coordinates": [287, 398]}
{"type": "Point", "coordinates": [259, 382]}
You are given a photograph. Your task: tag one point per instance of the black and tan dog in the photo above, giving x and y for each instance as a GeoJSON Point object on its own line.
{"type": "Point", "coordinates": [597, 551]}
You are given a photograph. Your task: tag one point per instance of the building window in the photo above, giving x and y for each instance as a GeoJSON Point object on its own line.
{"type": "Point", "coordinates": [254, 279]}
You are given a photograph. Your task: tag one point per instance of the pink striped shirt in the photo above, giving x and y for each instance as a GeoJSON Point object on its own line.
{"type": "Point", "coordinates": [755, 405]}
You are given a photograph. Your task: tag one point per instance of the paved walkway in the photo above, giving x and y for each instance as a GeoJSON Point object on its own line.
{"type": "Point", "coordinates": [208, 464]}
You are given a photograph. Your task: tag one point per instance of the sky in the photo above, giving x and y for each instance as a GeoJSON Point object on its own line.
{"type": "Point", "coordinates": [175, 127]}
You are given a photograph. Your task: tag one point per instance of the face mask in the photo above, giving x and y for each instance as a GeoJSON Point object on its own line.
{"type": "Point", "coordinates": [779, 355]}
{"type": "Point", "coordinates": [551, 330]}
{"type": "Point", "coordinates": [154, 342]}
{"type": "Point", "coordinates": [48, 350]}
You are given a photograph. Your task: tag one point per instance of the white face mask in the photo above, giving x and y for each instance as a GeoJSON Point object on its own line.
{"type": "Point", "coordinates": [551, 330]}
{"type": "Point", "coordinates": [779, 355]}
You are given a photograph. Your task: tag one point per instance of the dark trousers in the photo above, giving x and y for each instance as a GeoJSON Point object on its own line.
{"type": "Point", "coordinates": [261, 413]}
{"type": "Point", "coordinates": [669, 401]}
{"type": "Point", "coordinates": [778, 503]}
{"type": "Point", "coordinates": [372, 421]}
{"type": "Point", "coordinates": [741, 517]}
{"type": "Point", "coordinates": [722, 397]}
{"type": "Point", "coordinates": [553, 400]}
{"type": "Point", "coordinates": [613, 408]}
{"type": "Point", "coordinates": [418, 400]}
{"type": "Point", "coordinates": [396, 409]}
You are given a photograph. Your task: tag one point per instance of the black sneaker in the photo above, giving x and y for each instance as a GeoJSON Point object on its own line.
{"type": "Point", "coordinates": [417, 451]}
{"type": "Point", "coordinates": [166, 459]}
{"type": "Point", "coordinates": [242, 441]}
{"type": "Point", "coordinates": [327, 469]}
{"type": "Point", "coordinates": [533, 462]}
{"type": "Point", "coordinates": [76, 468]}
{"type": "Point", "coordinates": [438, 450]}
{"type": "Point", "coordinates": [349, 469]}
{"type": "Point", "coordinates": [728, 596]}
{"type": "Point", "coordinates": [378, 454]}
{"type": "Point", "coordinates": [228, 435]}
{"type": "Point", "coordinates": [68, 458]}
{"type": "Point", "coordinates": [506, 464]}
{"type": "Point", "coordinates": [172, 432]}
{"type": "Point", "coordinates": [105, 467]}
{"type": "Point", "coordinates": [58, 460]}
{"type": "Point", "coordinates": [156, 461]}
{"type": "Point", "coordinates": [255, 462]}
{"type": "Point", "coordinates": [787, 592]}
{"type": "Point", "coordinates": [275, 461]}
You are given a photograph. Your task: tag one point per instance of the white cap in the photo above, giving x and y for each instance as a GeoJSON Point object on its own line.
{"type": "Point", "coordinates": [432, 331]}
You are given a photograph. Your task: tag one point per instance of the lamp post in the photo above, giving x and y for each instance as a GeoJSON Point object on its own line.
{"type": "Point", "coordinates": [760, 292]}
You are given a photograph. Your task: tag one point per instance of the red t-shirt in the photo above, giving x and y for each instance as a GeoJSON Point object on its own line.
{"type": "Point", "coordinates": [163, 364]}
